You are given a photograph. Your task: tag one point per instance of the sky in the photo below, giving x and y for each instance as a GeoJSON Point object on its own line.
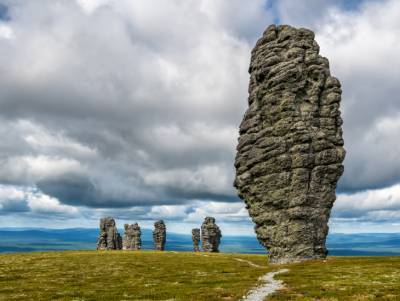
{"type": "Point", "coordinates": [131, 108]}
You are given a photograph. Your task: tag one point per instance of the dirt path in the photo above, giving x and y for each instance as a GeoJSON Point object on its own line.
{"type": "Point", "coordinates": [249, 263]}
{"type": "Point", "coordinates": [269, 286]}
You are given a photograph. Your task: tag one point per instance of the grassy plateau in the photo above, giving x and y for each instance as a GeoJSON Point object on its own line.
{"type": "Point", "coordinates": [150, 275]}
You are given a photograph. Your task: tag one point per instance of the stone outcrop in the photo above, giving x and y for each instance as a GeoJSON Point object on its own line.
{"type": "Point", "coordinates": [159, 235]}
{"type": "Point", "coordinates": [109, 238]}
{"type": "Point", "coordinates": [290, 150]}
{"type": "Point", "coordinates": [196, 239]}
{"type": "Point", "coordinates": [210, 235]}
{"type": "Point", "coordinates": [132, 237]}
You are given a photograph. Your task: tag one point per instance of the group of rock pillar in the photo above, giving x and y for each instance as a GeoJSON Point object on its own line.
{"type": "Point", "coordinates": [289, 154]}
{"type": "Point", "coordinates": [210, 236]}
{"type": "Point", "coordinates": [110, 239]}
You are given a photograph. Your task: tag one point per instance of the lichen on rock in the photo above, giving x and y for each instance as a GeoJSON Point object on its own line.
{"type": "Point", "coordinates": [109, 238]}
{"type": "Point", "coordinates": [290, 150]}
{"type": "Point", "coordinates": [210, 235]}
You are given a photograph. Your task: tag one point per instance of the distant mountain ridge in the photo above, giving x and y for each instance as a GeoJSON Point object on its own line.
{"type": "Point", "coordinates": [43, 239]}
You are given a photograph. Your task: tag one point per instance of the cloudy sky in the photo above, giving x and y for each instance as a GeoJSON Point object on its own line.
{"type": "Point", "coordinates": [131, 108]}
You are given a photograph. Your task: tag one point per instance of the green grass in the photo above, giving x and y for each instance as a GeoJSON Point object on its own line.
{"type": "Point", "coordinates": [342, 279]}
{"type": "Point", "coordinates": [149, 275]}
{"type": "Point", "coordinates": [125, 275]}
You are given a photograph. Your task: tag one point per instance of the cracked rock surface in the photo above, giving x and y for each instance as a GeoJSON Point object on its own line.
{"type": "Point", "coordinates": [132, 237]}
{"type": "Point", "coordinates": [290, 150]}
{"type": "Point", "coordinates": [159, 235]}
{"type": "Point", "coordinates": [109, 238]}
{"type": "Point", "coordinates": [210, 235]}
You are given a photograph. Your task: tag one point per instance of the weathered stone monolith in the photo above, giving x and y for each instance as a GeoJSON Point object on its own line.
{"type": "Point", "coordinates": [290, 149]}
{"type": "Point", "coordinates": [196, 239]}
{"type": "Point", "coordinates": [109, 238]}
{"type": "Point", "coordinates": [159, 235]}
{"type": "Point", "coordinates": [210, 235]}
{"type": "Point", "coordinates": [132, 237]}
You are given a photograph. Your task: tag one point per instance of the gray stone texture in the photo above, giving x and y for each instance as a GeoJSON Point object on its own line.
{"type": "Point", "coordinates": [196, 239]}
{"type": "Point", "coordinates": [210, 235]}
{"type": "Point", "coordinates": [109, 238]}
{"type": "Point", "coordinates": [159, 235]}
{"type": "Point", "coordinates": [132, 237]}
{"type": "Point", "coordinates": [290, 150]}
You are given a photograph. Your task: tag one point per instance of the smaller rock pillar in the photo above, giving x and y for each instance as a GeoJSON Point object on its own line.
{"type": "Point", "coordinates": [196, 239]}
{"type": "Point", "coordinates": [132, 237]}
{"type": "Point", "coordinates": [210, 235]}
{"type": "Point", "coordinates": [159, 235]}
{"type": "Point", "coordinates": [109, 238]}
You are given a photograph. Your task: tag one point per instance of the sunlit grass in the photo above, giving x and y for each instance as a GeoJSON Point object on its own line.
{"type": "Point", "coordinates": [149, 275]}
{"type": "Point", "coordinates": [343, 279]}
{"type": "Point", "coordinates": [125, 275]}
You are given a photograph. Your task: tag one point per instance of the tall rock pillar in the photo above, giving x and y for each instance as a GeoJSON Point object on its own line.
{"type": "Point", "coordinates": [290, 150]}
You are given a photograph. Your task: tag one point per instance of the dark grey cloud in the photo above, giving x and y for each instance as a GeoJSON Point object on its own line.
{"type": "Point", "coordinates": [20, 202]}
{"type": "Point", "coordinates": [4, 12]}
{"type": "Point", "coordinates": [121, 104]}
{"type": "Point", "coordinates": [12, 206]}
{"type": "Point", "coordinates": [70, 189]}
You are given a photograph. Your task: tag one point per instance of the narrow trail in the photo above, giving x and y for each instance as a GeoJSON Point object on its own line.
{"type": "Point", "coordinates": [249, 263]}
{"type": "Point", "coordinates": [269, 287]}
